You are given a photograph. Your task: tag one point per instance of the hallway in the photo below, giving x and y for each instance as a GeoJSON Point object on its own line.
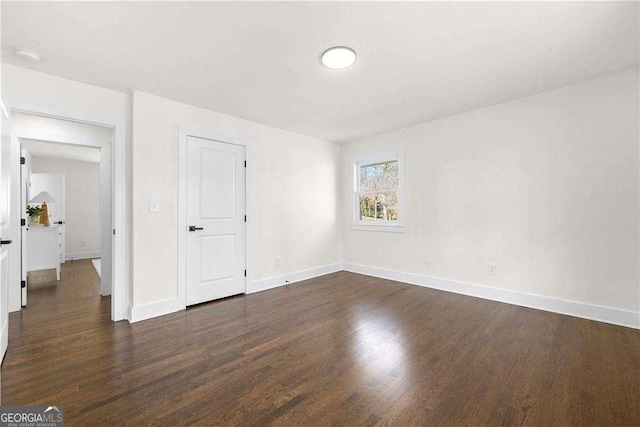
{"type": "Point", "coordinates": [62, 322]}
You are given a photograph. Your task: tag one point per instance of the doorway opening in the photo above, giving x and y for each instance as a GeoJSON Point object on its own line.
{"type": "Point", "coordinates": [65, 194]}
{"type": "Point", "coordinates": [49, 143]}
{"type": "Point", "coordinates": [66, 181]}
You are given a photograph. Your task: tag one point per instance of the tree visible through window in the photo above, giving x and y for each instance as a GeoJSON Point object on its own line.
{"type": "Point", "coordinates": [378, 191]}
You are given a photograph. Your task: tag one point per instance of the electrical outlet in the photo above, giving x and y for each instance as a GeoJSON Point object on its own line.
{"type": "Point", "coordinates": [154, 206]}
{"type": "Point", "coordinates": [83, 243]}
{"type": "Point", "coordinates": [277, 261]}
{"type": "Point", "coordinates": [492, 270]}
{"type": "Point", "coordinates": [427, 263]}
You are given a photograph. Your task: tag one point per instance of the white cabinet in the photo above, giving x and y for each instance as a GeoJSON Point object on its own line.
{"type": "Point", "coordinates": [54, 184]}
{"type": "Point", "coordinates": [44, 248]}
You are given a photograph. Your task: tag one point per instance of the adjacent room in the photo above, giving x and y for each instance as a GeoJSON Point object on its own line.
{"type": "Point", "coordinates": [64, 185]}
{"type": "Point", "coordinates": [70, 178]}
{"type": "Point", "coordinates": [320, 213]}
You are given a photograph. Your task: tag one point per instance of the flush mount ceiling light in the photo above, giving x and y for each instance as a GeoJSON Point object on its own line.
{"type": "Point", "coordinates": [339, 57]}
{"type": "Point", "coordinates": [27, 54]}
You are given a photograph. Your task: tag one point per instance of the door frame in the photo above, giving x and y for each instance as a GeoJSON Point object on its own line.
{"type": "Point", "coordinates": [182, 204]}
{"type": "Point", "coordinates": [24, 182]}
{"type": "Point", "coordinates": [120, 284]}
{"type": "Point", "coordinates": [5, 117]}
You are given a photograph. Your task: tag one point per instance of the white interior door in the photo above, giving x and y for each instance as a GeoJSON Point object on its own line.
{"type": "Point", "coordinates": [24, 198]}
{"type": "Point", "coordinates": [5, 158]}
{"type": "Point", "coordinates": [52, 183]}
{"type": "Point", "coordinates": [216, 220]}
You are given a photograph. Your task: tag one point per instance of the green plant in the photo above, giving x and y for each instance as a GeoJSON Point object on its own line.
{"type": "Point", "coordinates": [34, 210]}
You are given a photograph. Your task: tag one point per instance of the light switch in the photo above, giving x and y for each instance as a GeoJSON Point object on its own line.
{"type": "Point", "coordinates": [154, 206]}
{"type": "Point", "coordinates": [492, 270]}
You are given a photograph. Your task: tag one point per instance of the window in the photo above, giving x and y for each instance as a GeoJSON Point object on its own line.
{"type": "Point", "coordinates": [378, 193]}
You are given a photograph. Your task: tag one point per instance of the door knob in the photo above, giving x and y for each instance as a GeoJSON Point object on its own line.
{"type": "Point", "coordinates": [5, 242]}
{"type": "Point", "coordinates": [194, 228]}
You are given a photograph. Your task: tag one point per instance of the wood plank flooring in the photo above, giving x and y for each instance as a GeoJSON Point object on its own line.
{"type": "Point", "coordinates": [343, 349]}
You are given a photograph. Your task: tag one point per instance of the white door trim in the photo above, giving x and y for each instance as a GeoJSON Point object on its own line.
{"type": "Point", "coordinates": [121, 291]}
{"type": "Point", "coordinates": [182, 205]}
{"type": "Point", "coordinates": [23, 176]}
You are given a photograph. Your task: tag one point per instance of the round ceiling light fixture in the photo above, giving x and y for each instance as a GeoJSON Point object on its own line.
{"type": "Point", "coordinates": [27, 54]}
{"type": "Point", "coordinates": [339, 57]}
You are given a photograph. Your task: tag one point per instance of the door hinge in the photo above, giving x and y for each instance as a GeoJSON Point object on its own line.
{"type": "Point", "coordinates": [23, 284]}
{"type": "Point", "coordinates": [114, 231]}
{"type": "Point", "coordinates": [23, 222]}
{"type": "Point", "coordinates": [245, 163]}
{"type": "Point", "coordinates": [245, 218]}
{"type": "Point", "coordinates": [23, 161]}
{"type": "Point", "coordinates": [245, 273]}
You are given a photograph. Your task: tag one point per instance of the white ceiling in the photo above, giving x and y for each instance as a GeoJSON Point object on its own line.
{"type": "Point", "coordinates": [37, 148]}
{"type": "Point", "coordinates": [261, 61]}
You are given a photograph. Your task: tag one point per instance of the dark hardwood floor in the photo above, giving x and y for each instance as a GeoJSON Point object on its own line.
{"type": "Point", "coordinates": [343, 349]}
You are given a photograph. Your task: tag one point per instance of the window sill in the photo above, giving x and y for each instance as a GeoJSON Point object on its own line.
{"type": "Point", "coordinates": [383, 228]}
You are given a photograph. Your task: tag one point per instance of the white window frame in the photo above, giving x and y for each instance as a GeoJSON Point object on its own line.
{"type": "Point", "coordinates": [356, 164]}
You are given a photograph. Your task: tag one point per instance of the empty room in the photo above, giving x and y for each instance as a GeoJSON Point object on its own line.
{"type": "Point", "coordinates": [320, 213]}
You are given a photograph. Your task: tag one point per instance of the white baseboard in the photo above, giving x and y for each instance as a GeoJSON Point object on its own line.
{"type": "Point", "coordinates": [287, 279]}
{"type": "Point", "coordinates": [155, 309]}
{"type": "Point", "coordinates": [161, 308]}
{"type": "Point", "coordinates": [82, 255]}
{"type": "Point", "coordinates": [41, 267]}
{"type": "Point", "coordinates": [587, 311]}
{"type": "Point", "coordinates": [593, 312]}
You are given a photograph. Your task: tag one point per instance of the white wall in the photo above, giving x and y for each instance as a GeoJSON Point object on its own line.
{"type": "Point", "coordinates": [21, 84]}
{"type": "Point", "coordinates": [82, 200]}
{"type": "Point", "coordinates": [60, 129]}
{"type": "Point", "coordinates": [546, 187]}
{"type": "Point", "coordinates": [305, 236]}
{"type": "Point", "coordinates": [295, 209]}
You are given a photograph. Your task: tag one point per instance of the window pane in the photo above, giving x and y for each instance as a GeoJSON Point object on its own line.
{"type": "Point", "coordinates": [379, 206]}
{"type": "Point", "coordinates": [381, 177]}
{"type": "Point", "coordinates": [378, 188]}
